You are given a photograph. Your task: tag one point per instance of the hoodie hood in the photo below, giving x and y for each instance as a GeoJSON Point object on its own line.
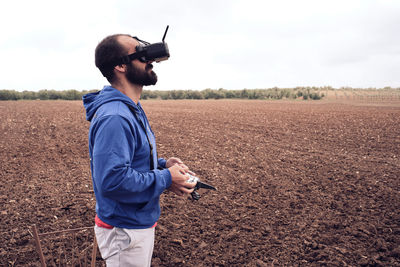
{"type": "Point", "coordinates": [93, 101]}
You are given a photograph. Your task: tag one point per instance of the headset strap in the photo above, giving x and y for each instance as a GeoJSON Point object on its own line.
{"type": "Point", "coordinates": [124, 60]}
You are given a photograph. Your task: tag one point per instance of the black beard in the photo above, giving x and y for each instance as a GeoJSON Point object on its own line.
{"type": "Point", "coordinates": [138, 76]}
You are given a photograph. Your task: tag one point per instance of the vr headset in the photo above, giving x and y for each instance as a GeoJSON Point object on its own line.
{"type": "Point", "coordinates": [145, 52]}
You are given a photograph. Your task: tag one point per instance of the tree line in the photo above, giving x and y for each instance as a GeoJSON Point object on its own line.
{"type": "Point", "coordinates": [313, 93]}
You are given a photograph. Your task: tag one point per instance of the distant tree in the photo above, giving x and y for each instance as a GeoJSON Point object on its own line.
{"type": "Point", "coordinates": [195, 95]}
{"type": "Point", "coordinates": [43, 95]}
{"type": "Point", "coordinates": [213, 94]}
{"type": "Point", "coordinates": [29, 95]}
{"type": "Point", "coordinates": [9, 95]}
{"type": "Point", "coordinates": [53, 94]}
{"type": "Point", "coordinates": [271, 93]}
{"type": "Point", "coordinates": [315, 96]}
{"type": "Point", "coordinates": [165, 95]}
{"type": "Point", "coordinates": [244, 93]}
{"type": "Point", "coordinates": [178, 94]}
{"type": "Point", "coordinates": [71, 95]}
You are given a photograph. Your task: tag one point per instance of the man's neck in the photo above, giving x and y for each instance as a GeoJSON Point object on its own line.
{"type": "Point", "coordinates": [133, 91]}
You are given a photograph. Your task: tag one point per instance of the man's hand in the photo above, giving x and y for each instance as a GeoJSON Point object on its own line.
{"type": "Point", "coordinates": [179, 185]}
{"type": "Point", "coordinates": [176, 161]}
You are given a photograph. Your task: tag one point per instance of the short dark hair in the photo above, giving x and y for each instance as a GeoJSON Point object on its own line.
{"type": "Point", "coordinates": [108, 50]}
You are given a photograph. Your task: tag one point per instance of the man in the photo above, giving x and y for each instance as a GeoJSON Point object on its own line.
{"type": "Point", "coordinates": [125, 170]}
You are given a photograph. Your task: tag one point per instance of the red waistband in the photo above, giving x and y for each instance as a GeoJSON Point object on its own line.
{"type": "Point", "coordinates": [100, 223]}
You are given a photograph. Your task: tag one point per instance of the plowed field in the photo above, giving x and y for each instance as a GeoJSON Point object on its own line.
{"type": "Point", "coordinates": [299, 183]}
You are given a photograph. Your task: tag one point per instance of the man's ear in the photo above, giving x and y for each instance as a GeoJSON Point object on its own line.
{"type": "Point", "coordinates": [120, 68]}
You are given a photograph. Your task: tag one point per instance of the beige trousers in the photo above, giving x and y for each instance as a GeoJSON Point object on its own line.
{"type": "Point", "coordinates": [121, 247]}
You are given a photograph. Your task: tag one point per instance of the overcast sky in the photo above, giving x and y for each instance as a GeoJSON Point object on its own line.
{"type": "Point", "coordinates": [213, 43]}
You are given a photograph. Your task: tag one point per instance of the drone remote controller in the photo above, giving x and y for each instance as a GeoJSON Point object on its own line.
{"type": "Point", "coordinates": [193, 179]}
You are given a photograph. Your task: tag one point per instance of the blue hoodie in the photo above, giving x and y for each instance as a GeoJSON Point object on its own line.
{"type": "Point", "coordinates": [127, 190]}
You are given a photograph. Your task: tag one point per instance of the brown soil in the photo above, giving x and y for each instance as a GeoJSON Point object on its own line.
{"type": "Point", "coordinates": [299, 183]}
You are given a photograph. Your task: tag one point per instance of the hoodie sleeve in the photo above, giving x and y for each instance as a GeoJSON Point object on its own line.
{"type": "Point", "coordinates": [113, 149]}
{"type": "Point", "coordinates": [162, 162]}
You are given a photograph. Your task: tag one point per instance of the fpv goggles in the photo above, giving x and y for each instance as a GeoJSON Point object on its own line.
{"type": "Point", "coordinates": [145, 52]}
